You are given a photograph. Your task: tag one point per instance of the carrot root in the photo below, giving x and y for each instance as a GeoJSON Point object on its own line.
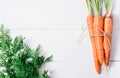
{"type": "Point", "coordinates": [98, 23]}
{"type": "Point", "coordinates": [90, 22]}
{"type": "Point", "coordinates": [108, 24]}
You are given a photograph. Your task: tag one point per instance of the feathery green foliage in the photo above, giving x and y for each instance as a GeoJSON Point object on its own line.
{"type": "Point", "coordinates": [18, 60]}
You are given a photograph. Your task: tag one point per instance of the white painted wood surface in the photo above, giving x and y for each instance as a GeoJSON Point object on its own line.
{"type": "Point", "coordinates": [57, 26]}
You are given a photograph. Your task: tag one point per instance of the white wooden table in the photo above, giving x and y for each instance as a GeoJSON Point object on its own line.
{"type": "Point", "coordinates": [56, 25]}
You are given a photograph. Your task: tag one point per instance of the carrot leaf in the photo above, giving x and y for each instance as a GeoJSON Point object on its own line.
{"type": "Point", "coordinates": [18, 60]}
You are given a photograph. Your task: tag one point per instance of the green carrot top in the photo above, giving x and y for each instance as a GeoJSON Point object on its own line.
{"type": "Point", "coordinates": [97, 6]}
{"type": "Point", "coordinates": [89, 6]}
{"type": "Point", "coordinates": [108, 6]}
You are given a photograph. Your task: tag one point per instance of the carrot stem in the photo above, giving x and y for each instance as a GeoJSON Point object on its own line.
{"type": "Point", "coordinates": [109, 6]}
{"type": "Point", "coordinates": [89, 6]}
{"type": "Point", "coordinates": [98, 6]}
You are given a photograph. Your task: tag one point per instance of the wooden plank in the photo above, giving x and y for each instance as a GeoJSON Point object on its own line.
{"type": "Point", "coordinates": [30, 14]}
{"type": "Point", "coordinates": [42, 13]}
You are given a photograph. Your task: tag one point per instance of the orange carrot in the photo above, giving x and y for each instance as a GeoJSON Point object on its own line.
{"type": "Point", "coordinates": [108, 24]}
{"type": "Point", "coordinates": [90, 22]}
{"type": "Point", "coordinates": [98, 23]}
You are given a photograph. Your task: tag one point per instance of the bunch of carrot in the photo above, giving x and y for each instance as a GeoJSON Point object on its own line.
{"type": "Point", "coordinates": [100, 30]}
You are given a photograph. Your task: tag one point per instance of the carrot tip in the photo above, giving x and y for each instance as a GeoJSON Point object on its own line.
{"type": "Point", "coordinates": [105, 68]}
